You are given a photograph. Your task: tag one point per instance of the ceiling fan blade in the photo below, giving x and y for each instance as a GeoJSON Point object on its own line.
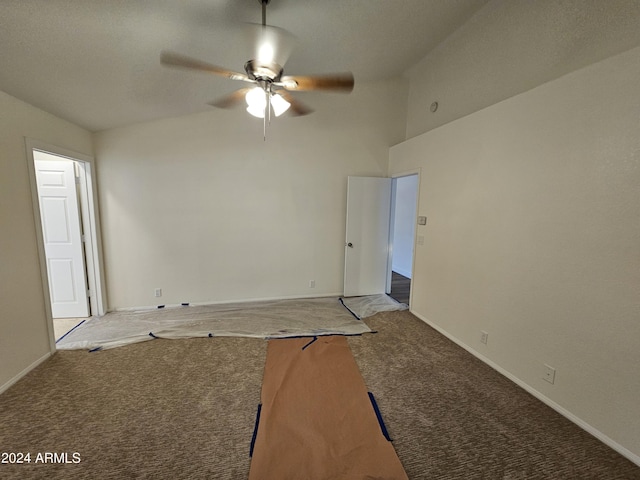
{"type": "Point", "coordinates": [297, 108]}
{"type": "Point", "coordinates": [172, 59]}
{"type": "Point", "coordinates": [339, 82]}
{"type": "Point", "coordinates": [231, 100]}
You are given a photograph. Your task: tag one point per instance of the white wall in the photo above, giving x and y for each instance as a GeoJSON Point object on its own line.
{"type": "Point", "coordinates": [203, 208]}
{"type": "Point", "coordinates": [510, 46]}
{"type": "Point", "coordinates": [534, 236]}
{"type": "Point", "coordinates": [24, 337]}
{"type": "Point", "coordinates": [404, 224]}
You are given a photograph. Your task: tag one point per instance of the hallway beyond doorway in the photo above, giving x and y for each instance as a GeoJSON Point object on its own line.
{"type": "Point", "coordinates": [400, 287]}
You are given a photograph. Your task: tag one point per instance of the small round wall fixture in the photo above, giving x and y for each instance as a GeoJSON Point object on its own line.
{"type": "Point", "coordinates": [433, 107]}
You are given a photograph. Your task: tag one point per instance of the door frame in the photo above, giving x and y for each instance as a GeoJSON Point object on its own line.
{"type": "Point", "coordinates": [90, 222]}
{"type": "Point", "coordinates": [392, 213]}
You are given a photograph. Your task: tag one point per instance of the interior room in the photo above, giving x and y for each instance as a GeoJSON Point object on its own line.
{"type": "Point", "coordinates": [517, 120]}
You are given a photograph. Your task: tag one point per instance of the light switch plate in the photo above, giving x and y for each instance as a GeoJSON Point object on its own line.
{"type": "Point", "coordinates": [422, 220]}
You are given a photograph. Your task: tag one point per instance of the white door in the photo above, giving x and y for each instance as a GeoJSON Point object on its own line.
{"type": "Point", "coordinates": [62, 236]}
{"type": "Point", "coordinates": [367, 240]}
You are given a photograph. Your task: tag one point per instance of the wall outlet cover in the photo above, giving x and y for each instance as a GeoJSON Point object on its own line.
{"type": "Point", "coordinates": [549, 374]}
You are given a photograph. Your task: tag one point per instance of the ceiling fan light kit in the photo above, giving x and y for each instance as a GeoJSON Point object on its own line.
{"type": "Point", "coordinates": [273, 46]}
{"type": "Point", "coordinates": [257, 102]}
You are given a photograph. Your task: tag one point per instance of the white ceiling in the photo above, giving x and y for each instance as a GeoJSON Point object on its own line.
{"type": "Point", "coordinates": [96, 62]}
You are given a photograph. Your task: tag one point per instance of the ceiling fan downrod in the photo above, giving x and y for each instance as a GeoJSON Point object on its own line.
{"type": "Point", "coordinates": [264, 11]}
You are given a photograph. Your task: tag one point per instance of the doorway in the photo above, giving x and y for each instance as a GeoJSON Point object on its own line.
{"type": "Point", "coordinates": [64, 202]}
{"type": "Point", "coordinates": [404, 201]}
{"type": "Point", "coordinates": [59, 199]}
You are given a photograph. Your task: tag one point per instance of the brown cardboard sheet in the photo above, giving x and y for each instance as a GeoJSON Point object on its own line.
{"type": "Point", "coordinates": [317, 421]}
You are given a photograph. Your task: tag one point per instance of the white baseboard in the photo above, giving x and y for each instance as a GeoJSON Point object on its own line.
{"type": "Point", "coordinates": [15, 379]}
{"type": "Point", "coordinates": [558, 408]}
{"type": "Point", "coordinates": [226, 302]}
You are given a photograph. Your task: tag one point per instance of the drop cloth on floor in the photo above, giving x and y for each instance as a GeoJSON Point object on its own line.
{"type": "Point", "coordinates": [265, 319]}
{"type": "Point", "coordinates": [366, 306]}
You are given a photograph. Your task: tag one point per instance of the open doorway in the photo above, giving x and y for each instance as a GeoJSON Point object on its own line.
{"type": "Point", "coordinates": [404, 199]}
{"type": "Point", "coordinates": [64, 203]}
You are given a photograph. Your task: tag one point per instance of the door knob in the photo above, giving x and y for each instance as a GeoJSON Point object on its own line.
{"type": "Point", "coordinates": [350, 245]}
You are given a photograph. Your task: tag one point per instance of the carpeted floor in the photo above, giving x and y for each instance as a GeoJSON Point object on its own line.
{"type": "Point", "coordinates": [185, 409]}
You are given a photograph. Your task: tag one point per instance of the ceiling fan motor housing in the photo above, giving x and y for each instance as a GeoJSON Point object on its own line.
{"type": "Point", "coordinates": [256, 70]}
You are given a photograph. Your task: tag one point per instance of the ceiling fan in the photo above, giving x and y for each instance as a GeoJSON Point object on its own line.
{"type": "Point", "coordinates": [270, 90]}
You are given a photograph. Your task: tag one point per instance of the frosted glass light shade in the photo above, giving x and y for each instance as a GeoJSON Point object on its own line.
{"type": "Point", "coordinates": [269, 44]}
{"type": "Point", "coordinates": [256, 112]}
{"type": "Point", "coordinates": [256, 98]}
{"type": "Point", "coordinates": [279, 104]}
{"type": "Point", "coordinates": [256, 101]}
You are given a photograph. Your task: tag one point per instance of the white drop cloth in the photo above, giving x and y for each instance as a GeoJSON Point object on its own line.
{"type": "Point", "coordinates": [369, 305]}
{"type": "Point", "coordinates": [265, 319]}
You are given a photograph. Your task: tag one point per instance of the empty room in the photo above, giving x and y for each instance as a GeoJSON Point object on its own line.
{"type": "Point", "coordinates": [278, 239]}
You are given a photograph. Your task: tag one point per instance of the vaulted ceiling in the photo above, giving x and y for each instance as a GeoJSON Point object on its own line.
{"type": "Point", "coordinates": [96, 62]}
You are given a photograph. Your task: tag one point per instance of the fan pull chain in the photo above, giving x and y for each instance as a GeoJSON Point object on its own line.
{"type": "Point", "coordinates": [264, 117]}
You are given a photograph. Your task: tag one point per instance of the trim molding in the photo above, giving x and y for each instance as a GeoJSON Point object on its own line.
{"type": "Point", "coordinates": [546, 400]}
{"type": "Point", "coordinates": [15, 379]}
{"type": "Point", "coordinates": [91, 222]}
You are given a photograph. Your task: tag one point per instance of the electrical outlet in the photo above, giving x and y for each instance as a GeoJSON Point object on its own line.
{"type": "Point", "coordinates": [312, 284]}
{"type": "Point", "coordinates": [158, 292]}
{"type": "Point", "coordinates": [484, 337]}
{"type": "Point", "coordinates": [549, 374]}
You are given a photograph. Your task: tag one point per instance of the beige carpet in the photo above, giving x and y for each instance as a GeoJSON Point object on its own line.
{"type": "Point", "coordinates": [185, 409]}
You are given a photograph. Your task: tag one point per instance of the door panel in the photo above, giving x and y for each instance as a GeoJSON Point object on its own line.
{"type": "Point", "coordinates": [62, 236]}
{"type": "Point", "coordinates": [55, 216]}
{"type": "Point", "coordinates": [367, 238]}
{"type": "Point", "coordinates": [63, 288]}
